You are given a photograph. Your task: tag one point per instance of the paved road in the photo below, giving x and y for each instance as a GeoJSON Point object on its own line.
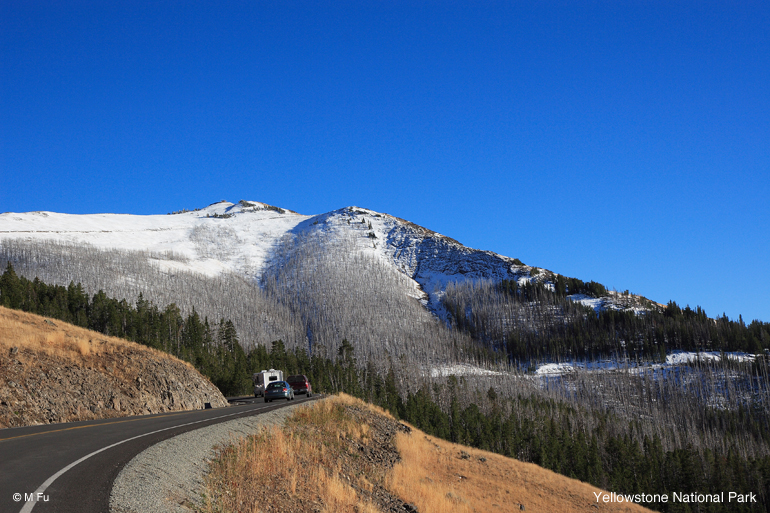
{"type": "Point", "coordinates": [70, 467]}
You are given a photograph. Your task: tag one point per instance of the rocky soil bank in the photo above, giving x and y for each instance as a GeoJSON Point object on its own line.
{"type": "Point", "coordinates": [51, 371]}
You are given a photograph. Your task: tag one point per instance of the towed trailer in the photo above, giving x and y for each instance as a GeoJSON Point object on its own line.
{"type": "Point", "coordinates": [263, 378]}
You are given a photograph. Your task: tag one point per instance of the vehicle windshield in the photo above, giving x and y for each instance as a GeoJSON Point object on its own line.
{"type": "Point", "coordinates": [277, 384]}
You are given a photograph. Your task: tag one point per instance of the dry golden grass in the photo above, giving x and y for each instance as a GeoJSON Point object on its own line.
{"type": "Point", "coordinates": [36, 337]}
{"type": "Point", "coordinates": [411, 479]}
{"type": "Point", "coordinates": [314, 463]}
{"type": "Point", "coordinates": [436, 478]}
{"type": "Point", "coordinates": [53, 371]}
{"type": "Point", "coordinates": [33, 334]}
{"type": "Point", "coordinates": [296, 469]}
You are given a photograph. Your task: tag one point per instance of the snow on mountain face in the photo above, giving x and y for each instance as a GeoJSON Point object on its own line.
{"type": "Point", "coordinates": [221, 237]}
{"type": "Point", "coordinates": [432, 260]}
{"type": "Point", "coordinates": [242, 237]}
{"type": "Point", "coordinates": [613, 301]}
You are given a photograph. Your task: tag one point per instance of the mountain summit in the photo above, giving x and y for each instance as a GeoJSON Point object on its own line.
{"type": "Point", "coordinates": [243, 238]}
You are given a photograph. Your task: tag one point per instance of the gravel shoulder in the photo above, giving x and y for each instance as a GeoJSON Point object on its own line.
{"type": "Point", "coordinates": [168, 477]}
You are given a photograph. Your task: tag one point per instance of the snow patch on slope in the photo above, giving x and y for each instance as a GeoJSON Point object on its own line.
{"type": "Point", "coordinates": [219, 238]}
{"type": "Point", "coordinates": [676, 358]}
{"type": "Point", "coordinates": [462, 370]}
{"type": "Point", "coordinates": [614, 301]}
{"type": "Point", "coordinates": [685, 357]}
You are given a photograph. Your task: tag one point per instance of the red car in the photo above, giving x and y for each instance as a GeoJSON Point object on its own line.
{"type": "Point", "coordinates": [300, 384]}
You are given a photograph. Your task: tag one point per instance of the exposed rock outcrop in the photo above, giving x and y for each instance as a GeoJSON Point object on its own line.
{"type": "Point", "coordinates": [51, 371]}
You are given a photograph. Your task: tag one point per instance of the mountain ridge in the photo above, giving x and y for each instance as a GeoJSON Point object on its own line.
{"type": "Point", "coordinates": [262, 266]}
{"type": "Point", "coordinates": [429, 258]}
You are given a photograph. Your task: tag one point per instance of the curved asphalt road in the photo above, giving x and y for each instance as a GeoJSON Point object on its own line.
{"type": "Point", "coordinates": [31, 456]}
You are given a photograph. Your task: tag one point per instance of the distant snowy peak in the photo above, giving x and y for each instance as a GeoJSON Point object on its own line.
{"type": "Point", "coordinates": [417, 250]}
{"type": "Point", "coordinates": [434, 260]}
{"type": "Point", "coordinates": [225, 208]}
{"type": "Point", "coordinates": [242, 238]}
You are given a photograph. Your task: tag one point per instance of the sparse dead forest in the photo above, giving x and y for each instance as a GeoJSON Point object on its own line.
{"type": "Point", "coordinates": [536, 321]}
{"type": "Point", "coordinates": [341, 293]}
{"type": "Point", "coordinates": [124, 275]}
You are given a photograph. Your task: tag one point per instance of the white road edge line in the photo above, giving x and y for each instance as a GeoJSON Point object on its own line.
{"type": "Point", "coordinates": [42, 488]}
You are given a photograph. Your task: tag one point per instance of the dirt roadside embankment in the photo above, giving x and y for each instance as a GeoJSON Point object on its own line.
{"type": "Point", "coordinates": [343, 455]}
{"type": "Point", "coordinates": [51, 371]}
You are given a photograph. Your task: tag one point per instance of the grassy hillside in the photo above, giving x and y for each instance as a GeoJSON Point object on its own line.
{"type": "Point", "coordinates": [344, 455]}
{"type": "Point", "coordinates": [52, 371]}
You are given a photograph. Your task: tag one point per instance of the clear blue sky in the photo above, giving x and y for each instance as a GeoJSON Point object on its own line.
{"type": "Point", "coordinates": [622, 142]}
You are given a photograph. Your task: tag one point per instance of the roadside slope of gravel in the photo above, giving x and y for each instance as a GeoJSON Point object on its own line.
{"type": "Point", "coordinates": [168, 476]}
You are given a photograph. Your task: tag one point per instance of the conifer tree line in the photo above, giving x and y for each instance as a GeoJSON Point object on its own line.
{"type": "Point", "coordinates": [535, 322]}
{"type": "Point", "coordinates": [594, 446]}
{"type": "Point", "coordinates": [213, 348]}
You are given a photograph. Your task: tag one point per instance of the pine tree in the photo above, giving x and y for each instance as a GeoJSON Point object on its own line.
{"type": "Point", "coordinates": [10, 288]}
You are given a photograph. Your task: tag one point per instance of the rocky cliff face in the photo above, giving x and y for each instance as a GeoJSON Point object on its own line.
{"type": "Point", "coordinates": [54, 372]}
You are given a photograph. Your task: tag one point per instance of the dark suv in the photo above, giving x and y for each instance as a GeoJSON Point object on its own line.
{"type": "Point", "coordinates": [300, 384]}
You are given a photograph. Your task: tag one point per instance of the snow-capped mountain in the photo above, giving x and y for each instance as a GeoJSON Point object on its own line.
{"type": "Point", "coordinates": [396, 290]}
{"type": "Point", "coordinates": [242, 238]}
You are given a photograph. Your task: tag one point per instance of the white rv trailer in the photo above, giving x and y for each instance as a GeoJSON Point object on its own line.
{"type": "Point", "coordinates": [263, 378]}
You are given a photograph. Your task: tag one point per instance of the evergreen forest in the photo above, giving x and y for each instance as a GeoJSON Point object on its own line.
{"type": "Point", "coordinates": [537, 322]}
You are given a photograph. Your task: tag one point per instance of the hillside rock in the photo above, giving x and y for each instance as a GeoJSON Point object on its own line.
{"type": "Point", "coordinates": [115, 379]}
